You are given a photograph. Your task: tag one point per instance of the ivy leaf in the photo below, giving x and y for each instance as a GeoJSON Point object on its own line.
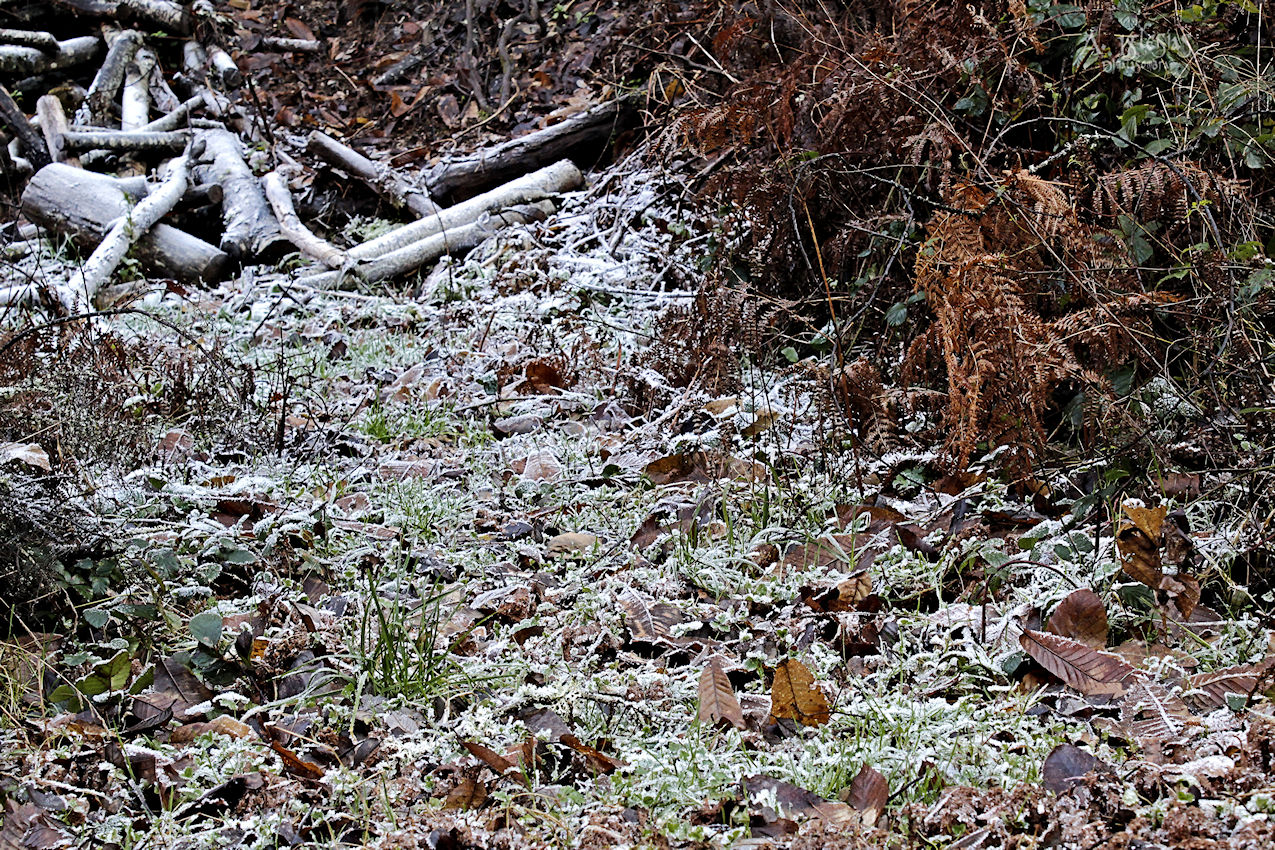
{"type": "Point", "coordinates": [206, 627]}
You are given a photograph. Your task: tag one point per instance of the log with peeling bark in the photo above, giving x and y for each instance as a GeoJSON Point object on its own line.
{"type": "Point", "coordinates": [411, 257]}
{"type": "Point", "coordinates": [292, 45]}
{"type": "Point", "coordinates": [27, 38]}
{"type": "Point", "coordinates": [30, 139]}
{"type": "Point", "coordinates": [54, 125]}
{"type": "Point", "coordinates": [122, 140]}
{"type": "Point", "coordinates": [251, 232]}
{"type": "Point", "coordinates": [173, 18]}
{"type": "Point", "coordinates": [387, 182]}
{"type": "Point", "coordinates": [177, 117]}
{"type": "Point", "coordinates": [224, 68]}
{"type": "Point", "coordinates": [29, 61]}
{"type": "Point", "coordinates": [276, 187]}
{"type": "Point", "coordinates": [121, 47]}
{"type": "Point", "coordinates": [82, 205]}
{"type": "Point", "coordinates": [552, 180]}
{"type": "Point", "coordinates": [78, 295]}
{"type": "Point", "coordinates": [135, 101]}
{"type": "Point", "coordinates": [516, 156]}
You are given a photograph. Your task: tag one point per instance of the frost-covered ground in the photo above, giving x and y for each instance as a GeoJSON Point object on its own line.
{"type": "Point", "coordinates": [454, 590]}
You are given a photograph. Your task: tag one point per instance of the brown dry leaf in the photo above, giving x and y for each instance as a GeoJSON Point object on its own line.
{"type": "Point", "coordinates": [1239, 681]}
{"type": "Point", "coordinates": [867, 794]}
{"type": "Point", "coordinates": [702, 468]}
{"type": "Point", "coordinates": [174, 689]}
{"type": "Point", "coordinates": [718, 705]}
{"type": "Point", "coordinates": [598, 761]}
{"type": "Point", "coordinates": [793, 803]}
{"type": "Point", "coordinates": [794, 695]}
{"type": "Point", "coordinates": [1153, 714]}
{"type": "Point", "coordinates": [824, 553]}
{"type": "Point", "coordinates": [1081, 617]}
{"type": "Point", "coordinates": [29, 453]}
{"type": "Point", "coordinates": [468, 794]}
{"type": "Point", "coordinates": [1138, 539]}
{"type": "Point", "coordinates": [845, 595]}
{"type": "Point", "coordinates": [1091, 672]}
{"type": "Point", "coordinates": [296, 765]}
{"type": "Point", "coordinates": [1066, 765]}
{"type": "Point", "coordinates": [542, 465]}
{"type": "Point", "coordinates": [1184, 590]}
{"type": "Point", "coordinates": [490, 757]}
{"type": "Point", "coordinates": [543, 376]}
{"type": "Point", "coordinates": [647, 622]}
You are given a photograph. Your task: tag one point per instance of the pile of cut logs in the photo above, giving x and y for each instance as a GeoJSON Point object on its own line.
{"type": "Point", "coordinates": [124, 128]}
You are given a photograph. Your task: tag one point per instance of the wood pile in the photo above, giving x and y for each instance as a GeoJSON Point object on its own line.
{"type": "Point", "coordinates": [120, 114]}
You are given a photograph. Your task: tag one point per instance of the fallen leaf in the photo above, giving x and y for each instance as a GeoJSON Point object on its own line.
{"type": "Point", "coordinates": [1066, 765]}
{"type": "Point", "coordinates": [718, 705]}
{"type": "Point", "coordinates": [1081, 617]}
{"type": "Point", "coordinates": [1240, 681]}
{"type": "Point", "coordinates": [468, 794]}
{"type": "Point", "coordinates": [794, 695]}
{"type": "Point", "coordinates": [541, 466]}
{"type": "Point", "coordinates": [702, 468]}
{"type": "Point", "coordinates": [29, 453]}
{"type": "Point", "coordinates": [571, 542]}
{"type": "Point", "coordinates": [868, 793]}
{"type": "Point", "coordinates": [296, 765]}
{"type": "Point", "coordinates": [598, 761]}
{"type": "Point", "coordinates": [843, 596]}
{"type": "Point", "coordinates": [1138, 539]}
{"type": "Point", "coordinates": [793, 802]}
{"type": "Point", "coordinates": [544, 376]}
{"type": "Point", "coordinates": [1091, 672]}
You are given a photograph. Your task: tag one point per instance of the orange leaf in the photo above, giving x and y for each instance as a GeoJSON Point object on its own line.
{"type": "Point", "coordinates": [794, 695]}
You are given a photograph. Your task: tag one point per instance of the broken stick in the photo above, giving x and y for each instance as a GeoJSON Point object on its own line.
{"type": "Point", "coordinates": [276, 187]}
{"type": "Point", "coordinates": [385, 181]}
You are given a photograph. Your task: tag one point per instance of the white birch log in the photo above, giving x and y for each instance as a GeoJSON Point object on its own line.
{"type": "Point", "coordinates": [121, 140]}
{"type": "Point", "coordinates": [135, 102]}
{"type": "Point", "coordinates": [176, 118]}
{"type": "Point", "coordinates": [554, 179]}
{"type": "Point", "coordinates": [250, 228]}
{"type": "Point", "coordinates": [82, 204]}
{"type": "Point", "coordinates": [411, 257]}
{"type": "Point", "coordinates": [29, 61]}
{"type": "Point", "coordinates": [27, 38]}
{"type": "Point", "coordinates": [122, 46]}
{"type": "Point", "coordinates": [224, 68]}
{"type": "Point", "coordinates": [387, 182]}
{"type": "Point", "coordinates": [54, 125]}
{"type": "Point", "coordinates": [80, 291]}
{"type": "Point", "coordinates": [276, 187]}
{"type": "Point", "coordinates": [292, 45]}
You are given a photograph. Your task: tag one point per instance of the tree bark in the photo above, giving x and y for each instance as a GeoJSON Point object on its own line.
{"type": "Point", "coordinates": [280, 198]}
{"type": "Point", "coordinates": [251, 230]}
{"type": "Point", "coordinates": [29, 61]}
{"type": "Point", "coordinates": [16, 120]}
{"type": "Point", "coordinates": [559, 177]}
{"type": "Point", "coordinates": [385, 181]}
{"type": "Point", "coordinates": [78, 294]}
{"type": "Point", "coordinates": [39, 40]}
{"type": "Point", "coordinates": [411, 257]}
{"type": "Point", "coordinates": [533, 150]}
{"type": "Point", "coordinates": [54, 125]}
{"type": "Point", "coordinates": [121, 140]}
{"type": "Point", "coordinates": [82, 204]}
{"type": "Point", "coordinates": [106, 83]}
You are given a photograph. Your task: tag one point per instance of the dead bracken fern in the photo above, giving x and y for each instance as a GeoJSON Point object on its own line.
{"type": "Point", "coordinates": [994, 271]}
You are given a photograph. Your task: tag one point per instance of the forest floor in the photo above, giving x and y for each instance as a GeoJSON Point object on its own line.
{"type": "Point", "coordinates": [501, 556]}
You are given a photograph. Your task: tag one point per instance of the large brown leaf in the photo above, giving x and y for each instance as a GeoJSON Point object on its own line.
{"type": "Point", "coordinates": [718, 705]}
{"type": "Point", "coordinates": [1081, 617]}
{"type": "Point", "coordinates": [794, 695]}
{"type": "Point", "coordinates": [867, 794]}
{"type": "Point", "coordinates": [1138, 539]}
{"type": "Point", "coordinates": [1066, 765]}
{"type": "Point", "coordinates": [1087, 670]}
{"type": "Point", "coordinates": [794, 803]}
{"type": "Point", "coordinates": [1239, 681]}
